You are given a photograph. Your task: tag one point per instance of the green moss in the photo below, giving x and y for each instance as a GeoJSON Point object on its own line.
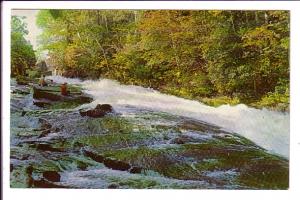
{"type": "Point", "coordinates": [46, 165]}
{"type": "Point", "coordinates": [109, 124]}
{"type": "Point", "coordinates": [133, 154]}
{"type": "Point", "coordinates": [209, 165]}
{"type": "Point", "coordinates": [258, 169]}
{"type": "Point", "coordinates": [182, 171]}
{"type": "Point", "coordinates": [266, 174]}
{"type": "Point", "coordinates": [19, 178]}
{"type": "Point", "coordinates": [64, 104]}
{"type": "Point", "coordinates": [98, 141]}
{"type": "Point", "coordinates": [138, 183]}
{"type": "Point", "coordinates": [113, 140]}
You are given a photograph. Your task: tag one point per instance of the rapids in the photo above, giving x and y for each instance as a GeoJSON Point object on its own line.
{"type": "Point", "coordinates": [268, 129]}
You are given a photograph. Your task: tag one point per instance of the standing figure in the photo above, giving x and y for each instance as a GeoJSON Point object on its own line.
{"type": "Point", "coordinates": [42, 81]}
{"type": "Point", "coordinates": [64, 89]}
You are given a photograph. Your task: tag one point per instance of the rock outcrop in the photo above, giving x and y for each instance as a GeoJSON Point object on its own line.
{"type": "Point", "coordinates": [51, 176]}
{"type": "Point", "coordinates": [100, 111]}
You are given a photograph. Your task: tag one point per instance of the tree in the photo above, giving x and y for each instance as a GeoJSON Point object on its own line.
{"type": "Point", "coordinates": [194, 54]}
{"type": "Point", "coordinates": [22, 53]}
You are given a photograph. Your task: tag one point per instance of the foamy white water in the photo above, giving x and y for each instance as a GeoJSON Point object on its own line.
{"type": "Point", "coordinates": [268, 129]}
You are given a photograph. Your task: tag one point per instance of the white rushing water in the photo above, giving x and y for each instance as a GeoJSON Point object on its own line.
{"type": "Point", "coordinates": [268, 129]}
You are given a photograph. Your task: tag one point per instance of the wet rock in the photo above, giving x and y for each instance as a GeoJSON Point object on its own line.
{"type": "Point", "coordinates": [45, 147]}
{"type": "Point", "coordinates": [56, 129]}
{"type": "Point", "coordinates": [46, 184]}
{"type": "Point", "coordinates": [51, 176]}
{"type": "Point", "coordinates": [189, 124]}
{"type": "Point", "coordinates": [135, 170]}
{"type": "Point", "coordinates": [11, 167]}
{"type": "Point", "coordinates": [41, 93]}
{"type": "Point", "coordinates": [116, 164]}
{"type": "Point", "coordinates": [41, 104]}
{"type": "Point", "coordinates": [105, 107]}
{"type": "Point", "coordinates": [53, 93]}
{"type": "Point", "coordinates": [100, 111]}
{"type": "Point", "coordinates": [24, 157]}
{"type": "Point", "coordinates": [44, 133]}
{"type": "Point", "coordinates": [82, 165]}
{"type": "Point", "coordinates": [113, 186]}
{"type": "Point", "coordinates": [179, 140]}
{"type": "Point", "coordinates": [19, 157]}
{"type": "Point", "coordinates": [29, 170]}
{"type": "Point", "coordinates": [23, 113]}
{"type": "Point", "coordinates": [94, 156]}
{"type": "Point", "coordinates": [23, 91]}
{"type": "Point", "coordinates": [44, 124]}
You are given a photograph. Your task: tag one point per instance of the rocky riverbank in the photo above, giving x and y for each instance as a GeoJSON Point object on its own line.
{"type": "Point", "coordinates": [54, 144]}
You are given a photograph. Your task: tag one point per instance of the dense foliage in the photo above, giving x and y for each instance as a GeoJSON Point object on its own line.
{"type": "Point", "coordinates": [22, 53]}
{"type": "Point", "coordinates": [240, 55]}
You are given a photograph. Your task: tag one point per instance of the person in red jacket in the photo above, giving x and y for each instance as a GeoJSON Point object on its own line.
{"type": "Point", "coordinates": [64, 89]}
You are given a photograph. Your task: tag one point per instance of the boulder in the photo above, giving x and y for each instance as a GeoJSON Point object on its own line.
{"type": "Point", "coordinates": [105, 107]}
{"type": "Point", "coordinates": [179, 140]}
{"type": "Point", "coordinates": [116, 164]}
{"type": "Point", "coordinates": [113, 186]}
{"type": "Point", "coordinates": [44, 133]}
{"type": "Point", "coordinates": [29, 170]}
{"type": "Point", "coordinates": [23, 113]}
{"type": "Point", "coordinates": [45, 147]}
{"type": "Point", "coordinates": [41, 104]}
{"type": "Point", "coordinates": [100, 111]}
{"type": "Point", "coordinates": [44, 124]}
{"type": "Point", "coordinates": [40, 93]}
{"type": "Point", "coordinates": [94, 156]}
{"type": "Point", "coordinates": [23, 91]}
{"type": "Point", "coordinates": [135, 170]}
{"type": "Point", "coordinates": [52, 94]}
{"type": "Point", "coordinates": [46, 184]}
{"type": "Point", "coordinates": [51, 176]}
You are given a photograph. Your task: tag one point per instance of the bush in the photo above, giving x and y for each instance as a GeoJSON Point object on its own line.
{"type": "Point", "coordinates": [279, 99]}
{"type": "Point", "coordinates": [221, 100]}
{"type": "Point", "coordinates": [21, 80]}
{"type": "Point", "coordinates": [275, 101]}
{"type": "Point", "coordinates": [32, 74]}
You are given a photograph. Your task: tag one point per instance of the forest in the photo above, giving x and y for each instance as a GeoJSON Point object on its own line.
{"type": "Point", "coordinates": [216, 57]}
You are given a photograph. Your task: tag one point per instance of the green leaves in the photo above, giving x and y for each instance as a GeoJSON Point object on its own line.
{"type": "Point", "coordinates": [22, 54]}
{"type": "Point", "coordinates": [241, 54]}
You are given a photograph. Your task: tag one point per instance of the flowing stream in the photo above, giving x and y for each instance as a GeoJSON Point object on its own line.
{"type": "Point", "coordinates": [268, 129]}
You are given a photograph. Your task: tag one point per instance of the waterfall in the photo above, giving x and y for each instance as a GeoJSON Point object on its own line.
{"type": "Point", "coordinates": [268, 129]}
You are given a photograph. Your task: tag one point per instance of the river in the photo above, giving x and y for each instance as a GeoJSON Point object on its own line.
{"type": "Point", "coordinates": [268, 129]}
{"type": "Point", "coordinates": [149, 140]}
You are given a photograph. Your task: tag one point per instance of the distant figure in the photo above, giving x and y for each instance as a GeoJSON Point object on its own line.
{"type": "Point", "coordinates": [51, 82]}
{"type": "Point", "coordinates": [64, 89]}
{"type": "Point", "coordinates": [42, 81]}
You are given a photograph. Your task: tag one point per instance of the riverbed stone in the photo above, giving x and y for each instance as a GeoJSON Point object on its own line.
{"type": "Point", "coordinates": [113, 186]}
{"type": "Point", "coordinates": [51, 176]}
{"type": "Point", "coordinates": [116, 164]}
{"type": "Point", "coordinates": [44, 124]}
{"type": "Point", "coordinates": [45, 147]}
{"type": "Point", "coordinates": [46, 184]}
{"type": "Point", "coordinates": [135, 170]}
{"type": "Point", "coordinates": [98, 111]}
{"type": "Point", "coordinates": [94, 156]}
{"type": "Point", "coordinates": [44, 133]}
